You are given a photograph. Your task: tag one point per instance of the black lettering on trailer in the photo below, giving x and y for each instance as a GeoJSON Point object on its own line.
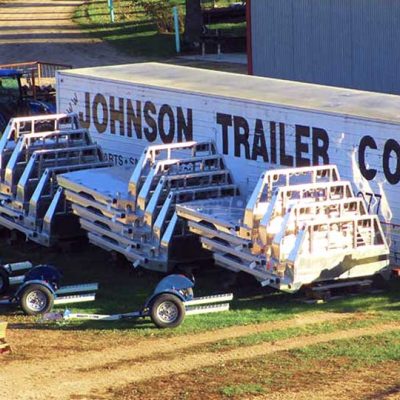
{"type": "Point", "coordinates": [259, 143]}
{"type": "Point", "coordinates": [100, 100]}
{"type": "Point", "coordinates": [134, 118]}
{"type": "Point", "coordinates": [151, 131]}
{"type": "Point", "coordinates": [391, 151]}
{"type": "Point", "coordinates": [285, 159]}
{"type": "Point", "coordinates": [302, 147]}
{"type": "Point", "coordinates": [370, 199]}
{"type": "Point", "coordinates": [241, 132]}
{"type": "Point", "coordinates": [225, 120]}
{"type": "Point", "coordinates": [184, 126]}
{"type": "Point", "coordinates": [166, 111]}
{"type": "Point", "coordinates": [320, 146]}
{"type": "Point", "coordinates": [367, 173]}
{"type": "Point", "coordinates": [85, 119]}
{"type": "Point", "coordinates": [117, 115]}
{"type": "Point", "coordinates": [391, 146]}
{"type": "Point", "coordinates": [272, 132]}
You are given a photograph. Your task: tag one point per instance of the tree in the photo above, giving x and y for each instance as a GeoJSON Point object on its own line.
{"type": "Point", "coordinates": [193, 22]}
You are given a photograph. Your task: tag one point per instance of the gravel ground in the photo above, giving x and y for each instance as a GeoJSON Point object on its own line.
{"type": "Point", "coordinates": [42, 30]}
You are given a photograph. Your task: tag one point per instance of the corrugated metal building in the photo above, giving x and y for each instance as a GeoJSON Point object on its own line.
{"type": "Point", "coordinates": [350, 43]}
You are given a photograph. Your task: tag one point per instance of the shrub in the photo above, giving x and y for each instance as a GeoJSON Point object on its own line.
{"type": "Point", "coordinates": [160, 11]}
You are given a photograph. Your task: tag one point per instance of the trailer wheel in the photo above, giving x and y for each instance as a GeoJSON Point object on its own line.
{"type": "Point", "coordinates": [36, 299]}
{"type": "Point", "coordinates": [4, 280]}
{"type": "Point", "coordinates": [167, 311]}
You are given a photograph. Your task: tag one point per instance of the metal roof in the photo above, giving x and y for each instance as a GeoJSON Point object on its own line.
{"type": "Point", "coordinates": [276, 92]}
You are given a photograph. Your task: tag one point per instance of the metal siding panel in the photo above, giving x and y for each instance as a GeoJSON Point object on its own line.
{"type": "Point", "coordinates": [303, 37]}
{"type": "Point", "coordinates": [320, 48]}
{"type": "Point", "coordinates": [351, 43]}
{"type": "Point", "coordinates": [272, 33]}
{"type": "Point", "coordinates": [340, 42]}
{"type": "Point", "coordinates": [283, 18]}
{"type": "Point", "coordinates": [363, 25]}
{"type": "Point", "coordinates": [263, 46]}
{"type": "Point", "coordinates": [384, 46]}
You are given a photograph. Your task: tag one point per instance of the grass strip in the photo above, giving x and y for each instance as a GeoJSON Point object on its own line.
{"type": "Point", "coordinates": [319, 369]}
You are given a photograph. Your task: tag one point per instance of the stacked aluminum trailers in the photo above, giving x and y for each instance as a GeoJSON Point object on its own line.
{"type": "Point", "coordinates": [33, 150]}
{"type": "Point", "coordinates": [300, 226]}
{"type": "Point", "coordinates": [131, 211]}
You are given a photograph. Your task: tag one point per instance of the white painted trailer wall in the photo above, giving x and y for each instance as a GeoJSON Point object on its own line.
{"type": "Point", "coordinates": [258, 123]}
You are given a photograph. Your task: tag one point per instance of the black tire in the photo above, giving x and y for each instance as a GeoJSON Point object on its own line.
{"type": "Point", "coordinates": [4, 280]}
{"type": "Point", "coordinates": [36, 299]}
{"type": "Point", "coordinates": [380, 282]}
{"type": "Point", "coordinates": [167, 311]}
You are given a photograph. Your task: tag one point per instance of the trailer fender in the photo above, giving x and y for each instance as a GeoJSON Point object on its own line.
{"type": "Point", "coordinates": [178, 285]}
{"type": "Point", "coordinates": [22, 288]}
{"type": "Point", "coordinates": [44, 273]}
{"type": "Point", "coordinates": [152, 298]}
{"type": "Point", "coordinates": [4, 280]}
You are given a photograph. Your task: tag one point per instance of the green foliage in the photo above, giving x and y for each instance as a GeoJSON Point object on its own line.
{"type": "Point", "coordinates": [134, 32]}
{"type": "Point", "coordinates": [242, 389]}
{"type": "Point", "coordinates": [160, 12]}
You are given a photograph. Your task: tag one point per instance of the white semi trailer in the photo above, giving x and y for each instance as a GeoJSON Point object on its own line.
{"type": "Point", "coordinates": [256, 123]}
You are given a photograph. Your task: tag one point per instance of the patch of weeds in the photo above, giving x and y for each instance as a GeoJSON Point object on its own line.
{"type": "Point", "coordinates": [365, 350]}
{"type": "Point", "coordinates": [293, 332]}
{"type": "Point", "coordinates": [241, 389]}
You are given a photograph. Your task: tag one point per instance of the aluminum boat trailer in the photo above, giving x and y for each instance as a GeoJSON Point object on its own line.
{"type": "Point", "coordinates": [33, 151]}
{"type": "Point", "coordinates": [168, 305]}
{"type": "Point", "coordinates": [131, 211]}
{"type": "Point", "coordinates": [38, 289]}
{"type": "Point", "coordinates": [300, 227]}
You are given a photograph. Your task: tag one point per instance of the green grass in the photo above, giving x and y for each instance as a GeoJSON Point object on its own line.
{"type": "Point", "coordinates": [288, 374]}
{"type": "Point", "coordinates": [242, 389]}
{"type": "Point", "coordinates": [288, 333]}
{"type": "Point", "coordinates": [361, 352]}
{"type": "Point", "coordinates": [133, 31]}
{"type": "Point", "coordinates": [123, 289]}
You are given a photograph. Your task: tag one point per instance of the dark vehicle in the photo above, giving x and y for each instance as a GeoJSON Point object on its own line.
{"type": "Point", "coordinates": [15, 100]}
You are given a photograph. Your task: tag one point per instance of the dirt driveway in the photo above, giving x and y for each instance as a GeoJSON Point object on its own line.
{"type": "Point", "coordinates": [42, 30]}
{"type": "Point", "coordinates": [67, 365]}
